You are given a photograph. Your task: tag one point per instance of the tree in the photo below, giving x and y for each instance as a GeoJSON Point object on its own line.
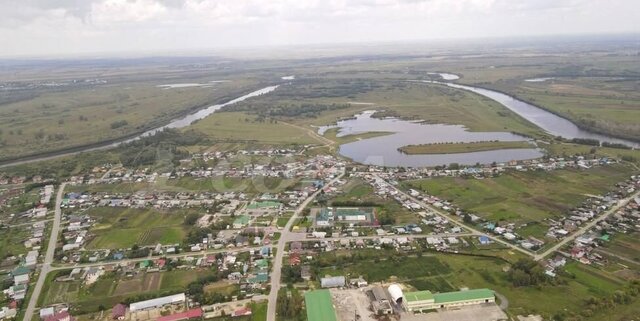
{"type": "Point", "coordinates": [191, 219]}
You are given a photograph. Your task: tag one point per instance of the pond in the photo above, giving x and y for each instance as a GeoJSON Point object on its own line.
{"type": "Point", "coordinates": [383, 150]}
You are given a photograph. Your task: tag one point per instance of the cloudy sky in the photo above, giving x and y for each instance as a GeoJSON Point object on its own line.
{"type": "Point", "coordinates": [73, 27]}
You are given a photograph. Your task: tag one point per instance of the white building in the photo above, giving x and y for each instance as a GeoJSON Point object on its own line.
{"type": "Point", "coordinates": [158, 302]}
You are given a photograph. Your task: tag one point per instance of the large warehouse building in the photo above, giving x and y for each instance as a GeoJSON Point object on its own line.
{"type": "Point", "coordinates": [425, 300]}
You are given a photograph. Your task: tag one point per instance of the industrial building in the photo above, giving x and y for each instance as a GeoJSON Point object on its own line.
{"type": "Point", "coordinates": [425, 300]}
{"type": "Point", "coordinates": [379, 301]}
{"type": "Point", "coordinates": [328, 216]}
{"type": "Point", "coordinates": [333, 282]}
{"type": "Point", "coordinates": [158, 302]}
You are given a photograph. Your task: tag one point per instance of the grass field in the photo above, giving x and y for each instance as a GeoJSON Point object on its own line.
{"type": "Point", "coordinates": [331, 134]}
{"type": "Point", "coordinates": [244, 128]}
{"type": "Point", "coordinates": [11, 241]}
{"type": "Point", "coordinates": [77, 115]}
{"type": "Point", "coordinates": [604, 103]}
{"type": "Point", "coordinates": [118, 228]}
{"type": "Point", "coordinates": [525, 197]}
{"type": "Point", "coordinates": [453, 148]}
{"type": "Point", "coordinates": [428, 102]}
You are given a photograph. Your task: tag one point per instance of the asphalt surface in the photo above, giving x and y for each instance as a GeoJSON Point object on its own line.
{"type": "Point", "coordinates": [286, 236]}
{"type": "Point", "coordinates": [48, 258]}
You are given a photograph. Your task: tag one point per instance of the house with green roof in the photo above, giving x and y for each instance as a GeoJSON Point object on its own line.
{"type": "Point", "coordinates": [264, 205]}
{"type": "Point", "coordinates": [261, 277]}
{"type": "Point", "coordinates": [241, 221]}
{"type": "Point", "coordinates": [319, 306]}
{"type": "Point", "coordinates": [425, 300]}
{"type": "Point", "coordinates": [20, 270]}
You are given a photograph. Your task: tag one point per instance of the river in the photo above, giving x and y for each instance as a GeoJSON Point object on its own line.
{"type": "Point", "coordinates": [550, 122]}
{"type": "Point", "coordinates": [176, 123]}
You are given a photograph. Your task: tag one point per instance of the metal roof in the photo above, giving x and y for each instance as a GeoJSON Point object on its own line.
{"type": "Point", "coordinates": [319, 306]}
{"type": "Point", "coordinates": [172, 299]}
{"type": "Point", "coordinates": [418, 296]}
{"type": "Point", "coordinates": [475, 294]}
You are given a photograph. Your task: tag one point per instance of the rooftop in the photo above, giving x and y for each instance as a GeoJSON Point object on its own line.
{"type": "Point", "coordinates": [475, 294]}
{"type": "Point", "coordinates": [319, 306]}
{"type": "Point", "coordinates": [418, 296]}
{"type": "Point", "coordinates": [263, 204]}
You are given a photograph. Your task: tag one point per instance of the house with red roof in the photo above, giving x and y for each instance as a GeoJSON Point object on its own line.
{"type": "Point", "coordinates": [60, 316]}
{"type": "Point", "coordinates": [119, 312]}
{"type": "Point", "coordinates": [190, 314]}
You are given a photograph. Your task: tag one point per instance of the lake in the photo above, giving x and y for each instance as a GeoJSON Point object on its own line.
{"type": "Point", "coordinates": [383, 150]}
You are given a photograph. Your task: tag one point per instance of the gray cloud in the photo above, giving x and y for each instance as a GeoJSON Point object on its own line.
{"type": "Point", "coordinates": [44, 27]}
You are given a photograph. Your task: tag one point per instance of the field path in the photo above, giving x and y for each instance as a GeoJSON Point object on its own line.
{"type": "Point", "coordinates": [312, 133]}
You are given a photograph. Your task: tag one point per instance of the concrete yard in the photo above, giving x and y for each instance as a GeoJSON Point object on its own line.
{"type": "Point", "coordinates": [488, 312]}
{"type": "Point", "coordinates": [348, 302]}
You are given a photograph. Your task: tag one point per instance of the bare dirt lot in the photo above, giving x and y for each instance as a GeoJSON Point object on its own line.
{"type": "Point", "coordinates": [350, 302]}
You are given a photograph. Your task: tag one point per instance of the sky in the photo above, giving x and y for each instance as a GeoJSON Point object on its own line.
{"type": "Point", "coordinates": [47, 28]}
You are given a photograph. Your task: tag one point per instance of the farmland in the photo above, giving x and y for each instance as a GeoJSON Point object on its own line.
{"type": "Point", "coordinates": [524, 197]}
{"type": "Point", "coordinates": [118, 228]}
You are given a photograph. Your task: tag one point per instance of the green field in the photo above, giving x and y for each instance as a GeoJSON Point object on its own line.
{"type": "Point", "coordinates": [452, 148]}
{"type": "Point", "coordinates": [11, 241]}
{"type": "Point", "coordinates": [429, 102]}
{"type": "Point", "coordinates": [79, 115]}
{"type": "Point", "coordinates": [119, 228]}
{"type": "Point", "coordinates": [525, 197]}
{"type": "Point", "coordinates": [248, 129]}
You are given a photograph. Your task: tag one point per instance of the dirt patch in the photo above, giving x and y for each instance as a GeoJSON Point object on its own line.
{"type": "Point", "coordinates": [129, 286]}
{"type": "Point", "coordinates": [351, 302]}
{"type": "Point", "coordinates": [152, 281]}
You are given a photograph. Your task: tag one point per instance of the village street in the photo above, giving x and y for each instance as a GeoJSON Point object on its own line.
{"type": "Point", "coordinates": [586, 227]}
{"type": "Point", "coordinates": [48, 258]}
{"type": "Point", "coordinates": [277, 262]}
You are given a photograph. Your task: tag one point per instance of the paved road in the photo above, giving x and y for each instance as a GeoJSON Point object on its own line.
{"type": "Point", "coordinates": [30, 223]}
{"type": "Point", "coordinates": [286, 236]}
{"type": "Point", "coordinates": [153, 257]}
{"type": "Point", "coordinates": [586, 227]}
{"type": "Point", "coordinates": [48, 258]}
{"type": "Point", "coordinates": [305, 237]}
